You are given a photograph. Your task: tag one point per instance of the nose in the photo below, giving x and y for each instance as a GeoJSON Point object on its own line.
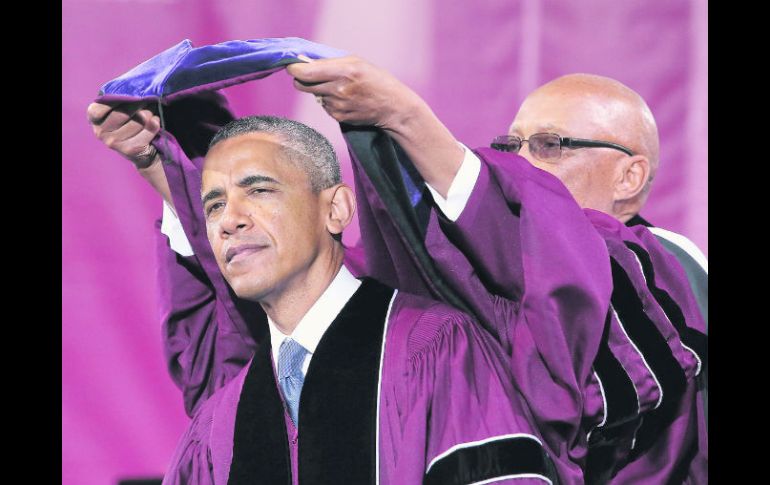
{"type": "Point", "coordinates": [534, 161]}
{"type": "Point", "coordinates": [235, 218]}
{"type": "Point", "coordinates": [524, 152]}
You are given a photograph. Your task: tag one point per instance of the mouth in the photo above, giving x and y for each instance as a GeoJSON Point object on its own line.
{"type": "Point", "coordinates": [238, 252]}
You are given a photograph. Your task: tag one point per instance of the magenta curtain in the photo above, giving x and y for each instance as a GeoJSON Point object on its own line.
{"type": "Point", "coordinates": [473, 61]}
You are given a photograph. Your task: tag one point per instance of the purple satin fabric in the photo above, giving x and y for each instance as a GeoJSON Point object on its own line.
{"type": "Point", "coordinates": [183, 70]}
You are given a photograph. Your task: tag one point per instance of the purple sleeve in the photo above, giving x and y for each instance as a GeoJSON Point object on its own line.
{"type": "Point", "coordinates": [671, 276]}
{"type": "Point", "coordinates": [676, 447]}
{"type": "Point", "coordinates": [680, 451]}
{"type": "Point", "coordinates": [536, 273]}
{"type": "Point", "coordinates": [202, 348]}
{"type": "Point", "coordinates": [191, 463]}
{"type": "Point", "coordinates": [595, 349]}
{"type": "Point", "coordinates": [209, 334]}
{"type": "Point", "coordinates": [525, 239]}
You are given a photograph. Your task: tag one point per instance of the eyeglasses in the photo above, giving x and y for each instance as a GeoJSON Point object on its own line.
{"type": "Point", "coordinates": [547, 146]}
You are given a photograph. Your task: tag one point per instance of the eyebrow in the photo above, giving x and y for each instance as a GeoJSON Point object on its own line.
{"type": "Point", "coordinates": [256, 179]}
{"type": "Point", "coordinates": [211, 194]}
{"type": "Point", "coordinates": [244, 182]}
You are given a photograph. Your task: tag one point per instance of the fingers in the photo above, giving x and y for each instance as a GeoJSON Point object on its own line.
{"type": "Point", "coordinates": [342, 89]}
{"type": "Point", "coordinates": [319, 89]}
{"type": "Point", "coordinates": [341, 99]}
{"type": "Point", "coordinates": [111, 117]}
{"type": "Point", "coordinates": [119, 122]}
{"type": "Point", "coordinates": [127, 128]}
{"type": "Point", "coordinates": [341, 110]}
{"type": "Point", "coordinates": [149, 120]}
{"type": "Point", "coordinates": [96, 112]}
{"type": "Point", "coordinates": [322, 70]}
{"type": "Point", "coordinates": [336, 97]}
{"type": "Point", "coordinates": [349, 89]}
{"type": "Point", "coordinates": [131, 139]}
{"type": "Point", "coordinates": [138, 149]}
{"type": "Point", "coordinates": [141, 121]}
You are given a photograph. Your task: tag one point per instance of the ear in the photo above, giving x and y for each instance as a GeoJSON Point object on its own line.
{"type": "Point", "coordinates": [633, 178]}
{"type": "Point", "coordinates": [342, 207]}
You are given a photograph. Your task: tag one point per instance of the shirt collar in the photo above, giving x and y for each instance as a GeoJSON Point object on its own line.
{"type": "Point", "coordinates": [316, 321]}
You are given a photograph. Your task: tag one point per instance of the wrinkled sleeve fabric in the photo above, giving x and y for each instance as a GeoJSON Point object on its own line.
{"type": "Point", "coordinates": [456, 416]}
{"type": "Point", "coordinates": [204, 453]}
{"type": "Point", "coordinates": [208, 333]}
{"type": "Point", "coordinates": [671, 440]}
{"type": "Point", "coordinates": [604, 367]}
{"type": "Point", "coordinates": [536, 273]}
{"type": "Point", "coordinates": [191, 462]}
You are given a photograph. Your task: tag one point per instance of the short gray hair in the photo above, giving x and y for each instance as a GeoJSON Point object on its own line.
{"type": "Point", "coordinates": [306, 147]}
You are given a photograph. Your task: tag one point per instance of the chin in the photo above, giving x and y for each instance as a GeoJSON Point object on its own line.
{"type": "Point", "coordinates": [248, 289]}
{"type": "Point", "coordinates": [251, 295]}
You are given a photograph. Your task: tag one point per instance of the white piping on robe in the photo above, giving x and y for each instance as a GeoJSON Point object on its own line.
{"type": "Point", "coordinates": [379, 392]}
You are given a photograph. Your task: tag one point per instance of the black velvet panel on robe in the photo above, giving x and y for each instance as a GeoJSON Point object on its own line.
{"type": "Point", "coordinates": [337, 410]}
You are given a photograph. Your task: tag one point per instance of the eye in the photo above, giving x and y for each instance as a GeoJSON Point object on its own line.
{"type": "Point", "coordinates": [214, 207]}
{"type": "Point", "coordinates": [259, 190]}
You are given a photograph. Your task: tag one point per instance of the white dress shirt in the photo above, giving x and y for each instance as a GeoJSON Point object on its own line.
{"type": "Point", "coordinates": [316, 321]}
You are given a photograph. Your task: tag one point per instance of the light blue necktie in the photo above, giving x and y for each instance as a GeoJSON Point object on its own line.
{"type": "Point", "coordinates": [291, 355]}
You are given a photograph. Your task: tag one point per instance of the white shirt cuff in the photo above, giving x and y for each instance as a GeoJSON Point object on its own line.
{"type": "Point", "coordinates": [461, 187]}
{"type": "Point", "coordinates": [171, 226]}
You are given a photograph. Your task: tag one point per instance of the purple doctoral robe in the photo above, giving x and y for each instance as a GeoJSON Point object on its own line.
{"type": "Point", "coordinates": [552, 281]}
{"type": "Point", "coordinates": [439, 408]}
{"type": "Point", "coordinates": [673, 442]}
{"type": "Point", "coordinates": [558, 288]}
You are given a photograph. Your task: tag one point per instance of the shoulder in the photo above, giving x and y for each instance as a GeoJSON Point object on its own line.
{"type": "Point", "coordinates": [224, 401]}
{"type": "Point", "coordinates": [419, 323]}
{"type": "Point", "coordinates": [683, 243]}
{"type": "Point", "coordinates": [204, 452]}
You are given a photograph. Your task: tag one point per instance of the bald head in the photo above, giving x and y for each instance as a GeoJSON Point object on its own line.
{"type": "Point", "coordinates": [597, 108]}
{"type": "Point", "coordinates": [612, 106]}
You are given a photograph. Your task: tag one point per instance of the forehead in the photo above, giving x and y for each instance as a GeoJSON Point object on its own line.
{"type": "Point", "coordinates": [250, 153]}
{"type": "Point", "coordinates": [567, 113]}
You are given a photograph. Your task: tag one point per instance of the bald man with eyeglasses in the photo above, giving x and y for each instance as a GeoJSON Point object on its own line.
{"type": "Point", "coordinates": [604, 180]}
{"type": "Point", "coordinates": [496, 215]}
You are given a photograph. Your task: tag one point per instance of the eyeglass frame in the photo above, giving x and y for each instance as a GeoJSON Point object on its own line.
{"type": "Point", "coordinates": [565, 142]}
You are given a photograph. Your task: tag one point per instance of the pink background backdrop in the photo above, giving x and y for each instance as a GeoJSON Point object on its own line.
{"type": "Point", "coordinates": [473, 61]}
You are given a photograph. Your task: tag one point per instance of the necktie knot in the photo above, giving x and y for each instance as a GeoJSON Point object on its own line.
{"type": "Point", "coordinates": [291, 356]}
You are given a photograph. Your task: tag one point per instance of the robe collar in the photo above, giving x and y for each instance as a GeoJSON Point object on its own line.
{"type": "Point", "coordinates": [338, 404]}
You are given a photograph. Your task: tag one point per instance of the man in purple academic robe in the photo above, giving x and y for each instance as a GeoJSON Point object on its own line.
{"type": "Point", "coordinates": [511, 239]}
{"type": "Point", "coordinates": [354, 382]}
{"type": "Point", "coordinates": [383, 387]}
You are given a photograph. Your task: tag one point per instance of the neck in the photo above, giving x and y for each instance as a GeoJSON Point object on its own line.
{"type": "Point", "coordinates": [287, 306]}
{"type": "Point", "coordinates": [625, 211]}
